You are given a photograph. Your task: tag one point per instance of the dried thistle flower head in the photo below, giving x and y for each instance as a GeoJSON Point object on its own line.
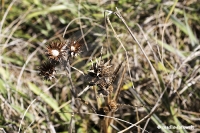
{"type": "Point", "coordinates": [47, 70]}
{"type": "Point", "coordinates": [100, 69]}
{"type": "Point", "coordinates": [105, 79]}
{"type": "Point", "coordinates": [74, 48]}
{"type": "Point", "coordinates": [56, 50]}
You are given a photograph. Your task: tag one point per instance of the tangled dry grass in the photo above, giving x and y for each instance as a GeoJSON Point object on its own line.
{"type": "Point", "coordinates": [133, 68]}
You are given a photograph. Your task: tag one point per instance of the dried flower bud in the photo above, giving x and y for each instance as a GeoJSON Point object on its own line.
{"type": "Point", "coordinates": [74, 48]}
{"type": "Point", "coordinates": [47, 70]}
{"type": "Point", "coordinates": [56, 50]}
{"type": "Point", "coordinates": [99, 69]}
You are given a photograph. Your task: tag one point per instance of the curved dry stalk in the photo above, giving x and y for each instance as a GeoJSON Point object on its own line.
{"type": "Point", "coordinates": [23, 68]}
{"type": "Point", "coordinates": [119, 85]}
{"type": "Point", "coordinates": [152, 68]}
{"type": "Point", "coordinates": [25, 114]}
{"type": "Point", "coordinates": [146, 124]}
{"type": "Point", "coordinates": [145, 37]}
{"type": "Point", "coordinates": [127, 61]}
{"type": "Point", "coordinates": [79, 7]}
{"type": "Point", "coordinates": [5, 14]}
{"type": "Point", "coordinates": [73, 21]}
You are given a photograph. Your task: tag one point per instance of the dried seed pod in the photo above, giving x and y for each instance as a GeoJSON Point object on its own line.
{"type": "Point", "coordinates": [47, 70]}
{"type": "Point", "coordinates": [56, 50]}
{"type": "Point", "coordinates": [74, 48]}
{"type": "Point", "coordinates": [99, 69]}
{"type": "Point", "coordinates": [103, 78]}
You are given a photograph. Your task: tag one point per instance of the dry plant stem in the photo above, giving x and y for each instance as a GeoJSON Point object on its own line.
{"type": "Point", "coordinates": [81, 25]}
{"type": "Point", "coordinates": [23, 68]}
{"type": "Point", "coordinates": [117, 119]}
{"type": "Point", "coordinates": [29, 126]}
{"type": "Point", "coordinates": [71, 124]}
{"type": "Point", "coordinates": [22, 18]}
{"type": "Point", "coordinates": [105, 124]}
{"type": "Point", "coordinates": [102, 116]}
{"type": "Point", "coordinates": [188, 85]}
{"type": "Point", "coordinates": [120, 123]}
{"type": "Point", "coordinates": [108, 41]}
{"type": "Point", "coordinates": [73, 21]}
{"type": "Point", "coordinates": [147, 42]}
{"type": "Point", "coordinates": [88, 104]}
{"type": "Point", "coordinates": [5, 15]}
{"type": "Point", "coordinates": [1, 25]}
{"type": "Point", "coordinates": [73, 93]}
{"type": "Point", "coordinates": [25, 114]}
{"type": "Point", "coordinates": [127, 60]}
{"type": "Point", "coordinates": [109, 120]}
{"type": "Point", "coordinates": [137, 118]}
{"type": "Point", "coordinates": [78, 70]}
{"type": "Point", "coordinates": [51, 127]}
{"type": "Point", "coordinates": [189, 58]}
{"type": "Point", "coordinates": [84, 90]}
{"type": "Point", "coordinates": [145, 126]}
{"type": "Point", "coordinates": [152, 68]}
{"type": "Point", "coordinates": [190, 112]}
{"type": "Point", "coordinates": [119, 86]}
{"type": "Point", "coordinates": [68, 69]}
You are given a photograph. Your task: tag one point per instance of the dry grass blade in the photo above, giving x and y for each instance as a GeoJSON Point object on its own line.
{"type": "Point", "coordinates": [119, 84]}
{"type": "Point", "coordinates": [152, 68]}
{"type": "Point", "coordinates": [72, 122]}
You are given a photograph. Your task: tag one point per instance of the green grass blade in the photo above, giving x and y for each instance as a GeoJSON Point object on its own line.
{"type": "Point", "coordinates": [192, 37]}
{"type": "Point", "coordinates": [50, 101]}
{"type": "Point", "coordinates": [177, 122]}
{"type": "Point", "coordinates": [171, 49]}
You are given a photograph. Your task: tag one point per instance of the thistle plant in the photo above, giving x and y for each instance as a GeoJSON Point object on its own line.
{"type": "Point", "coordinates": [58, 52]}
{"type": "Point", "coordinates": [85, 89]}
{"type": "Point", "coordinates": [102, 73]}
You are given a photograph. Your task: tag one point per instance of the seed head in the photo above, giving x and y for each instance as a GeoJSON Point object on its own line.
{"type": "Point", "coordinates": [99, 69]}
{"type": "Point", "coordinates": [74, 48]}
{"type": "Point", "coordinates": [56, 50]}
{"type": "Point", "coordinates": [47, 70]}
